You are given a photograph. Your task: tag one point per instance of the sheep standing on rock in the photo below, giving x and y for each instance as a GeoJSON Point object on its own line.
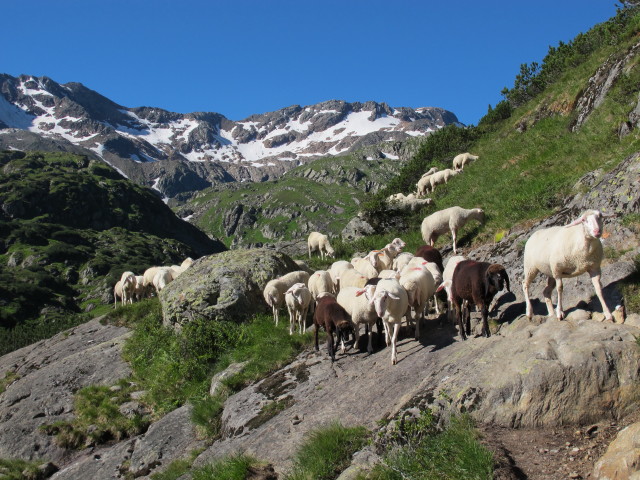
{"type": "Point", "coordinates": [565, 252]}
{"type": "Point", "coordinates": [420, 286]}
{"type": "Point", "coordinates": [391, 301]}
{"type": "Point", "coordinates": [442, 177]}
{"type": "Point", "coordinates": [275, 290]}
{"type": "Point", "coordinates": [459, 161]}
{"type": "Point", "coordinates": [318, 241]}
{"type": "Point", "coordinates": [477, 283]}
{"type": "Point", "coordinates": [330, 315]}
{"type": "Point", "coordinates": [450, 219]}
{"type": "Point", "coordinates": [320, 282]}
{"type": "Point", "coordinates": [298, 299]}
{"type": "Point", "coordinates": [357, 302]}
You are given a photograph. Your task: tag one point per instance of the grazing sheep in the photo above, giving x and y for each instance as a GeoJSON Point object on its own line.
{"type": "Point", "coordinates": [318, 241]}
{"type": "Point", "coordinates": [391, 301]}
{"type": "Point", "coordinates": [148, 275]}
{"type": "Point", "coordinates": [320, 282]}
{"type": "Point", "coordinates": [410, 202]}
{"type": "Point", "coordinates": [128, 281]}
{"type": "Point", "coordinates": [450, 219]}
{"type": "Point", "coordinates": [477, 283]}
{"type": "Point", "coordinates": [275, 289]}
{"type": "Point", "coordinates": [565, 252]}
{"type": "Point", "coordinates": [441, 177]}
{"type": "Point", "coordinates": [298, 299]}
{"type": "Point", "coordinates": [459, 161]}
{"type": "Point", "coordinates": [357, 302]}
{"type": "Point", "coordinates": [424, 184]}
{"type": "Point", "coordinates": [420, 286]}
{"type": "Point", "coordinates": [334, 318]}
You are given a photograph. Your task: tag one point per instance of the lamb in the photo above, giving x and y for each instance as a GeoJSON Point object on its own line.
{"type": "Point", "coordinates": [441, 177]}
{"type": "Point", "coordinates": [459, 161]}
{"type": "Point", "coordinates": [275, 290]}
{"type": "Point", "coordinates": [334, 318]}
{"type": "Point", "coordinates": [391, 301]}
{"type": "Point", "coordinates": [476, 282]}
{"type": "Point", "coordinates": [565, 252]}
{"type": "Point", "coordinates": [298, 299]}
{"type": "Point", "coordinates": [320, 282]}
{"type": "Point", "coordinates": [399, 243]}
{"type": "Point", "coordinates": [450, 219]}
{"type": "Point", "coordinates": [318, 241]}
{"type": "Point", "coordinates": [357, 302]}
{"type": "Point", "coordinates": [420, 286]}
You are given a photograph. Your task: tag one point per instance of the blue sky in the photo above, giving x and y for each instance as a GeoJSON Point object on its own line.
{"type": "Point", "coordinates": [241, 57]}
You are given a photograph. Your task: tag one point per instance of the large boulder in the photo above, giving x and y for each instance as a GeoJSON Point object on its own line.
{"type": "Point", "coordinates": [622, 458]}
{"type": "Point", "coordinates": [224, 287]}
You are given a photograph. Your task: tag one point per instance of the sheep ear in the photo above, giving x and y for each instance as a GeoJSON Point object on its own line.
{"type": "Point", "coordinates": [443, 285]}
{"type": "Point", "coordinates": [577, 221]}
{"type": "Point", "coordinates": [392, 296]}
{"type": "Point", "coordinates": [360, 292]}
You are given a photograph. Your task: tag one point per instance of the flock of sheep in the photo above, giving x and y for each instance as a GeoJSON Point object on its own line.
{"type": "Point", "coordinates": [132, 287]}
{"type": "Point", "coordinates": [389, 285]}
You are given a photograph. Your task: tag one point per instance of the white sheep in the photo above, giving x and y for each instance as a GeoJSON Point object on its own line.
{"type": "Point", "coordinates": [367, 265]}
{"type": "Point", "coordinates": [565, 252]}
{"type": "Point", "coordinates": [298, 298]}
{"type": "Point", "coordinates": [357, 302]}
{"type": "Point", "coordinates": [140, 291]}
{"type": "Point", "coordinates": [128, 282]}
{"type": "Point", "coordinates": [450, 219]}
{"type": "Point", "coordinates": [434, 271]}
{"type": "Point", "coordinates": [320, 242]}
{"type": "Point", "coordinates": [320, 282]}
{"type": "Point", "coordinates": [399, 243]}
{"type": "Point", "coordinates": [424, 184]}
{"type": "Point", "coordinates": [391, 301]}
{"type": "Point", "coordinates": [177, 270]}
{"type": "Point", "coordinates": [275, 290]}
{"type": "Point", "coordinates": [409, 202]}
{"type": "Point", "coordinates": [420, 286]}
{"type": "Point", "coordinates": [336, 270]}
{"type": "Point", "coordinates": [117, 294]}
{"type": "Point", "coordinates": [441, 177]}
{"type": "Point", "coordinates": [162, 278]}
{"type": "Point", "coordinates": [352, 278]}
{"type": "Point", "coordinates": [448, 275]}
{"type": "Point", "coordinates": [431, 171]}
{"type": "Point", "coordinates": [402, 260]}
{"type": "Point", "coordinates": [148, 275]}
{"type": "Point", "coordinates": [459, 161]}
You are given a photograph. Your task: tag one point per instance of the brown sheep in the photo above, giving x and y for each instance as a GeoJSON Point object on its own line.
{"type": "Point", "coordinates": [430, 254]}
{"type": "Point", "coordinates": [478, 283]}
{"type": "Point", "coordinates": [330, 315]}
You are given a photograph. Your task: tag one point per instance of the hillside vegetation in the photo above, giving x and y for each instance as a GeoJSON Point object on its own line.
{"type": "Point", "coordinates": [69, 227]}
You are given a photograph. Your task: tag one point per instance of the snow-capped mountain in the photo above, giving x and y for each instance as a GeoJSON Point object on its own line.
{"type": "Point", "coordinates": [175, 152]}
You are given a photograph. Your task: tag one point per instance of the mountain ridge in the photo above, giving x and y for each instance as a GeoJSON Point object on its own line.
{"type": "Point", "coordinates": [262, 146]}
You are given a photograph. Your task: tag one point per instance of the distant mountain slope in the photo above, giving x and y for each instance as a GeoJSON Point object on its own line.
{"type": "Point", "coordinates": [212, 148]}
{"type": "Point", "coordinates": [69, 226]}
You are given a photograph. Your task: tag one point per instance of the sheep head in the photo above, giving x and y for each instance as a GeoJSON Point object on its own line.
{"type": "Point", "coordinates": [591, 221]}
{"type": "Point", "coordinates": [380, 300]}
{"type": "Point", "coordinates": [496, 277]}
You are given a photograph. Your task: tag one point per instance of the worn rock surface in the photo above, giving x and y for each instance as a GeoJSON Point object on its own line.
{"type": "Point", "coordinates": [48, 373]}
{"type": "Point", "coordinates": [622, 458]}
{"type": "Point", "coordinates": [226, 286]}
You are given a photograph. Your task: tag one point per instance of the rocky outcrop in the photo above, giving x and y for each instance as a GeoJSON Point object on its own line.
{"type": "Point", "coordinates": [46, 376]}
{"type": "Point", "coordinates": [223, 287]}
{"type": "Point", "coordinates": [622, 458]}
{"type": "Point", "coordinates": [356, 228]}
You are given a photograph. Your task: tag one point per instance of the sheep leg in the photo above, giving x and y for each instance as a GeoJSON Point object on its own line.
{"type": "Point", "coordinates": [467, 314]}
{"type": "Point", "coordinates": [528, 278]}
{"type": "Point", "coordinates": [387, 336]}
{"type": "Point", "coordinates": [394, 353]}
{"type": "Point", "coordinates": [316, 329]}
{"type": "Point", "coordinates": [485, 323]}
{"type": "Point", "coordinates": [453, 235]}
{"type": "Point", "coordinates": [330, 345]}
{"type": "Point", "coordinates": [459, 313]}
{"type": "Point", "coordinates": [559, 288]}
{"type": "Point", "coordinates": [597, 285]}
{"type": "Point", "coordinates": [370, 343]}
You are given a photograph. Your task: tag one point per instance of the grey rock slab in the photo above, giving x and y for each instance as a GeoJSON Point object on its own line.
{"type": "Point", "coordinates": [48, 374]}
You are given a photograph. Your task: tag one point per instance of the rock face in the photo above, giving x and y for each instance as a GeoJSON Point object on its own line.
{"type": "Point", "coordinates": [622, 459]}
{"type": "Point", "coordinates": [223, 287]}
{"type": "Point", "coordinates": [47, 375]}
